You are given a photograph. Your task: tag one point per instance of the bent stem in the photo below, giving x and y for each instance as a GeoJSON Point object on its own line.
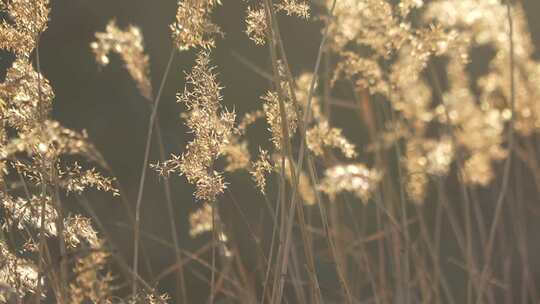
{"type": "Point", "coordinates": [136, 234]}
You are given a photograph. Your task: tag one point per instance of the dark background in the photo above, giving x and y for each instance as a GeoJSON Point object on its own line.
{"type": "Point", "coordinates": [106, 103]}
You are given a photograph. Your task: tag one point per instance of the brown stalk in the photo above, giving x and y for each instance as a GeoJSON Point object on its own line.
{"type": "Point", "coordinates": [403, 286]}
{"type": "Point", "coordinates": [508, 162]}
{"type": "Point", "coordinates": [136, 234]}
{"type": "Point", "coordinates": [521, 234]}
{"type": "Point", "coordinates": [214, 240]}
{"type": "Point", "coordinates": [286, 152]}
{"type": "Point", "coordinates": [42, 244]}
{"type": "Point", "coordinates": [306, 119]}
{"type": "Point", "coordinates": [60, 228]}
{"type": "Point", "coordinates": [438, 275]}
{"type": "Point", "coordinates": [181, 287]}
{"type": "Point", "coordinates": [123, 265]}
{"type": "Point", "coordinates": [466, 242]}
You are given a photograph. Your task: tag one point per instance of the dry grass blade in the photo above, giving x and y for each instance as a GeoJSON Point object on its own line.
{"type": "Point", "coordinates": [140, 193]}
{"type": "Point", "coordinates": [376, 151]}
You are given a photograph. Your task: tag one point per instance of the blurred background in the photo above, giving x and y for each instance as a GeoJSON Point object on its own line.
{"type": "Point", "coordinates": [106, 103]}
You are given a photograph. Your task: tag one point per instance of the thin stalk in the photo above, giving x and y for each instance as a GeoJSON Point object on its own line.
{"type": "Point", "coordinates": [181, 286]}
{"type": "Point", "coordinates": [439, 277]}
{"type": "Point", "coordinates": [402, 199]}
{"type": "Point", "coordinates": [286, 247]}
{"type": "Point", "coordinates": [286, 152]}
{"type": "Point", "coordinates": [42, 243]}
{"type": "Point", "coordinates": [136, 234]}
{"type": "Point", "coordinates": [467, 245]}
{"type": "Point", "coordinates": [266, 282]}
{"type": "Point", "coordinates": [113, 249]}
{"type": "Point", "coordinates": [340, 267]}
{"type": "Point", "coordinates": [213, 273]}
{"type": "Point", "coordinates": [60, 231]}
{"type": "Point", "coordinates": [508, 162]}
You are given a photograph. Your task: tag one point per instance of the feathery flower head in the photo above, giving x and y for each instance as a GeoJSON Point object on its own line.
{"type": "Point", "coordinates": [273, 117]}
{"type": "Point", "coordinates": [193, 26]}
{"type": "Point", "coordinates": [322, 137]}
{"type": "Point", "coordinates": [260, 168]}
{"type": "Point", "coordinates": [256, 25]}
{"type": "Point", "coordinates": [212, 126]}
{"type": "Point", "coordinates": [27, 19]}
{"type": "Point", "coordinates": [26, 96]}
{"type": "Point", "coordinates": [129, 45]}
{"type": "Point", "coordinates": [355, 178]}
